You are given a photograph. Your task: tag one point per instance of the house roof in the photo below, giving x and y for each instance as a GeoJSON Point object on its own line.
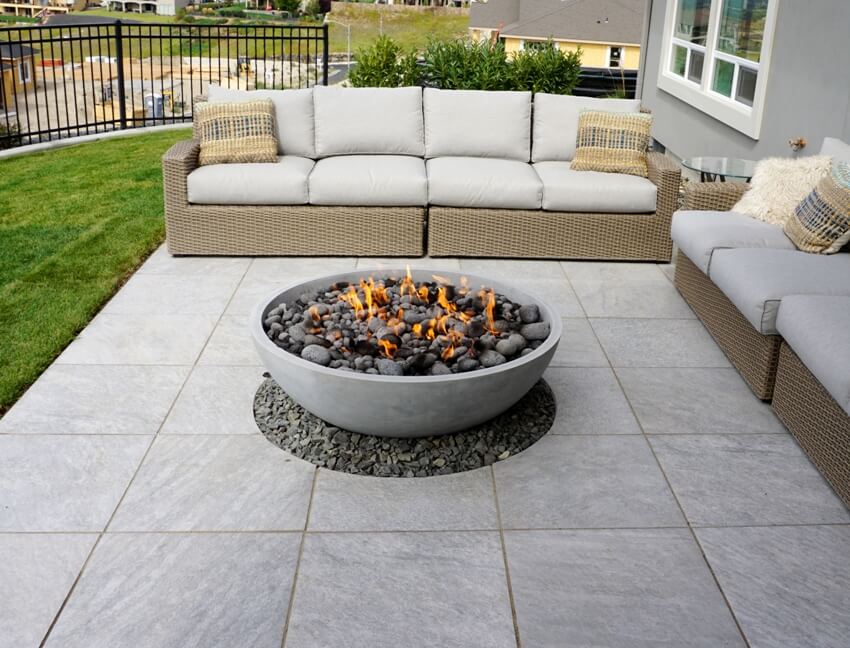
{"type": "Point", "coordinates": [15, 51]}
{"type": "Point", "coordinates": [602, 21]}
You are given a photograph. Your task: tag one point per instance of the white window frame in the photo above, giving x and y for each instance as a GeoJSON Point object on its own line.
{"type": "Point", "coordinates": [24, 66]}
{"type": "Point", "coordinates": [743, 118]}
{"type": "Point", "coordinates": [620, 60]}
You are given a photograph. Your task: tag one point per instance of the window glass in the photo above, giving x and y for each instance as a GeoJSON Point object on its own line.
{"type": "Point", "coordinates": [692, 20]}
{"type": "Point", "coordinates": [742, 28]}
{"type": "Point", "coordinates": [680, 55]}
{"type": "Point", "coordinates": [746, 91]}
{"type": "Point", "coordinates": [615, 57]}
{"type": "Point", "coordinates": [695, 66]}
{"type": "Point", "coordinates": [723, 73]}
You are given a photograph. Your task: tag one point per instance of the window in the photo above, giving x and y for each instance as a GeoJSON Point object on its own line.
{"type": "Point", "coordinates": [716, 57]}
{"type": "Point", "coordinates": [537, 45]}
{"type": "Point", "coordinates": [24, 72]}
{"type": "Point", "coordinates": [615, 57]}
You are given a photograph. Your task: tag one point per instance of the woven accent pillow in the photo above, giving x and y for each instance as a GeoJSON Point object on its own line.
{"type": "Point", "coordinates": [779, 184]}
{"type": "Point", "coordinates": [612, 142]}
{"type": "Point", "coordinates": [821, 222]}
{"type": "Point", "coordinates": [236, 132]}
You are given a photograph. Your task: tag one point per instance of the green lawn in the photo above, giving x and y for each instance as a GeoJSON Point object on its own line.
{"type": "Point", "coordinates": [74, 224]}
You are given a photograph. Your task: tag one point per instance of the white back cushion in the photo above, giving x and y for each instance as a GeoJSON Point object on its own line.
{"type": "Point", "coordinates": [367, 121]}
{"type": "Point", "coordinates": [556, 123]}
{"type": "Point", "coordinates": [836, 149]}
{"type": "Point", "coordinates": [477, 123]}
{"type": "Point", "coordinates": [293, 115]}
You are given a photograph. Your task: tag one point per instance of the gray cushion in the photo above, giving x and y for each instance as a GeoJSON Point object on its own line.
{"type": "Point", "coordinates": [757, 280]}
{"type": "Point", "coordinates": [699, 233]}
{"type": "Point", "coordinates": [283, 183]}
{"type": "Point", "coordinates": [368, 121]}
{"type": "Point", "coordinates": [483, 182]}
{"type": "Point", "coordinates": [293, 115]}
{"type": "Point", "coordinates": [556, 122]}
{"type": "Point", "coordinates": [592, 191]}
{"type": "Point", "coordinates": [477, 123]}
{"type": "Point", "coordinates": [370, 181]}
{"type": "Point", "coordinates": [818, 330]}
{"type": "Point", "coordinates": [836, 149]}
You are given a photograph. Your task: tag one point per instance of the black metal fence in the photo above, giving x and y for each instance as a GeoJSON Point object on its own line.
{"type": "Point", "coordinates": [607, 82]}
{"type": "Point", "coordinates": [81, 79]}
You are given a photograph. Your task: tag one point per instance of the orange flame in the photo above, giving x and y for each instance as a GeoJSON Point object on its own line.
{"type": "Point", "coordinates": [354, 301]}
{"type": "Point", "coordinates": [407, 286]}
{"type": "Point", "coordinates": [489, 309]}
{"type": "Point", "coordinates": [388, 348]}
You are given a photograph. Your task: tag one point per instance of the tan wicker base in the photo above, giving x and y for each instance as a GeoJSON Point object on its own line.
{"type": "Point", "coordinates": [535, 234]}
{"type": "Point", "coordinates": [818, 423]}
{"type": "Point", "coordinates": [754, 355]}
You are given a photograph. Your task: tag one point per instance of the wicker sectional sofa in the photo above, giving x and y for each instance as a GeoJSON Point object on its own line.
{"type": "Point", "coordinates": [402, 171]}
{"type": "Point", "coordinates": [782, 316]}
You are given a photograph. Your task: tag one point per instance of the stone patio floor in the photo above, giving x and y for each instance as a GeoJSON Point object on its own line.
{"type": "Point", "coordinates": [140, 506]}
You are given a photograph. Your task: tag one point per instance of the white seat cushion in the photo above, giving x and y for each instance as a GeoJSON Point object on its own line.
{"type": "Point", "coordinates": [477, 123]}
{"type": "Point", "coordinates": [592, 191]}
{"type": "Point", "coordinates": [281, 183]}
{"type": "Point", "coordinates": [556, 123]}
{"type": "Point", "coordinates": [817, 328]}
{"type": "Point", "coordinates": [368, 121]}
{"type": "Point", "coordinates": [483, 182]}
{"type": "Point", "coordinates": [293, 115]}
{"type": "Point", "coordinates": [699, 233]}
{"type": "Point", "coordinates": [369, 181]}
{"type": "Point", "coordinates": [756, 280]}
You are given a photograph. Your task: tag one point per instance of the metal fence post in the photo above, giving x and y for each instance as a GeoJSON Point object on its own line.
{"type": "Point", "coordinates": [119, 57]}
{"type": "Point", "coordinates": [326, 42]}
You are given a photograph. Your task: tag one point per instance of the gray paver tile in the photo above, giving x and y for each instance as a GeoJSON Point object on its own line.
{"type": "Point", "coordinates": [788, 586]}
{"type": "Point", "coordinates": [175, 591]}
{"type": "Point", "coordinates": [231, 344]}
{"type": "Point", "coordinates": [643, 588]}
{"type": "Point", "coordinates": [578, 346]}
{"type": "Point", "coordinates": [508, 270]}
{"type": "Point", "coordinates": [249, 293]}
{"type": "Point", "coordinates": [64, 482]}
{"type": "Point", "coordinates": [585, 482]}
{"type": "Point", "coordinates": [173, 295]}
{"type": "Point", "coordinates": [589, 401]}
{"type": "Point", "coordinates": [216, 400]}
{"type": "Point", "coordinates": [746, 479]}
{"type": "Point", "coordinates": [95, 399]}
{"type": "Point", "coordinates": [285, 270]}
{"type": "Point", "coordinates": [36, 573]}
{"type": "Point", "coordinates": [426, 263]}
{"type": "Point", "coordinates": [635, 298]}
{"type": "Point", "coordinates": [556, 292]}
{"type": "Point", "coordinates": [162, 263]}
{"type": "Point", "coordinates": [658, 343]}
{"type": "Point", "coordinates": [216, 483]}
{"type": "Point", "coordinates": [343, 502]}
{"type": "Point", "coordinates": [696, 401]}
{"type": "Point", "coordinates": [402, 589]}
{"type": "Point", "coordinates": [143, 339]}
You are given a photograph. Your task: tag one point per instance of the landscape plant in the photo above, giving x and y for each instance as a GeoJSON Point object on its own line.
{"type": "Point", "coordinates": [385, 65]}
{"type": "Point", "coordinates": [545, 69]}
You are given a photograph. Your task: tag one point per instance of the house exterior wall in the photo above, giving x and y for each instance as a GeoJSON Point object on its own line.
{"type": "Point", "coordinates": [808, 94]}
{"type": "Point", "coordinates": [11, 82]}
{"type": "Point", "coordinates": [592, 54]}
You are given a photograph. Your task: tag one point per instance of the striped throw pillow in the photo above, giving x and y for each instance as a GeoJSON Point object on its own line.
{"type": "Point", "coordinates": [612, 142]}
{"type": "Point", "coordinates": [242, 131]}
{"type": "Point", "coordinates": [821, 222]}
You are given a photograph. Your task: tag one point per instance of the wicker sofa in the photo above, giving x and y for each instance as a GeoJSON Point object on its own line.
{"type": "Point", "coordinates": [391, 172]}
{"type": "Point", "coordinates": [781, 316]}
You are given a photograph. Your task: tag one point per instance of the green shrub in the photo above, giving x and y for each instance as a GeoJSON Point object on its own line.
{"type": "Point", "coordinates": [287, 5]}
{"type": "Point", "coordinates": [544, 69]}
{"type": "Point", "coordinates": [232, 12]}
{"type": "Point", "coordinates": [384, 65]}
{"type": "Point", "coordinates": [466, 65]}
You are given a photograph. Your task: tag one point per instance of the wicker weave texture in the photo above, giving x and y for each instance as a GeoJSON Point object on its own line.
{"type": "Point", "coordinates": [818, 423]}
{"type": "Point", "coordinates": [714, 196]}
{"type": "Point", "coordinates": [754, 355]}
{"type": "Point", "coordinates": [302, 230]}
{"type": "Point", "coordinates": [474, 232]}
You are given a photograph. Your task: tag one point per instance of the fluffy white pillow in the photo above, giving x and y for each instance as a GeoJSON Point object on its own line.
{"type": "Point", "coordinates": [778, 186]}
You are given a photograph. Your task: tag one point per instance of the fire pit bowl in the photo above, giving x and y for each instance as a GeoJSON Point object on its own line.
{"type": "Point", "coordinates": [403, 406]}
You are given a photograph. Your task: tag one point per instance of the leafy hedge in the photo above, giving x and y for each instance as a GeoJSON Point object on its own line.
{"type": "Point", "coordinates": [467, 65]}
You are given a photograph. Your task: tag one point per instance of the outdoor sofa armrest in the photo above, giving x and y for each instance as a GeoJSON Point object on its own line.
{"type": "Point", "coordinates": [667, 176]}
{"type": "Point", "coordinates": [714, 196]}
{"type": "Point", "coordinates": [177, 163]}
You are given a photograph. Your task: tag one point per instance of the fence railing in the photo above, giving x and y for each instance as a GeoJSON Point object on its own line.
{"type": "Point", "coordinates": [606, 82]}
{"type": "Point", "coordinates": [81, 79]}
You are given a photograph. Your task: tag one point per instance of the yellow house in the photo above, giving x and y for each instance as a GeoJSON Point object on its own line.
{"type": "Point", "coordinates": [17, 73]}
{"type": "Point", "coordinates": [607, 31]}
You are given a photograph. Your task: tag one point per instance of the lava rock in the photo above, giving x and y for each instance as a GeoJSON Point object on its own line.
{"type": "Point", "coordinates": [439, 369]}
{"type": "Point", "coordinates": [490, 358]}
{"type": "Point", "coordinates": [387, 367]}
{"type": "Point", "coordinates": [529, 313]}
{"type": "Point", "coordinates": [297, 333]}
{"type": "Point", "coordinates": [536, 331]}
{"type": "Point", "coordinates": [467, 364]}
{"type": "Point", "coordinates": [317, 354]}
{"type": "Point", "coordinates": [511, 346]}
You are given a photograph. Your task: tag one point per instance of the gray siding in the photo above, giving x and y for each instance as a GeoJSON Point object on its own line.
{"type": "Point", "coordinates": [808, 93]}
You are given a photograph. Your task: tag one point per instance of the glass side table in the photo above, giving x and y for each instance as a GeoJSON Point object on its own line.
{"type": "Point", "coordinates": [712, 169]}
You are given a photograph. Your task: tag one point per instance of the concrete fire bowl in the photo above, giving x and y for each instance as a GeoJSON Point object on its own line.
{"type": "Point", "coordinates": [403, 406]}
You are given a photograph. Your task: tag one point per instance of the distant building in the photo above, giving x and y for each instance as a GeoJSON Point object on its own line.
{"type": "Point", "coordinates": [159, 7]}
{"type": "Point", "coordinates": [607, 31]}
{"type": "Point", "coordinates": [17, 73]}
{"type": "Point", "coordinates": [30, 8]}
